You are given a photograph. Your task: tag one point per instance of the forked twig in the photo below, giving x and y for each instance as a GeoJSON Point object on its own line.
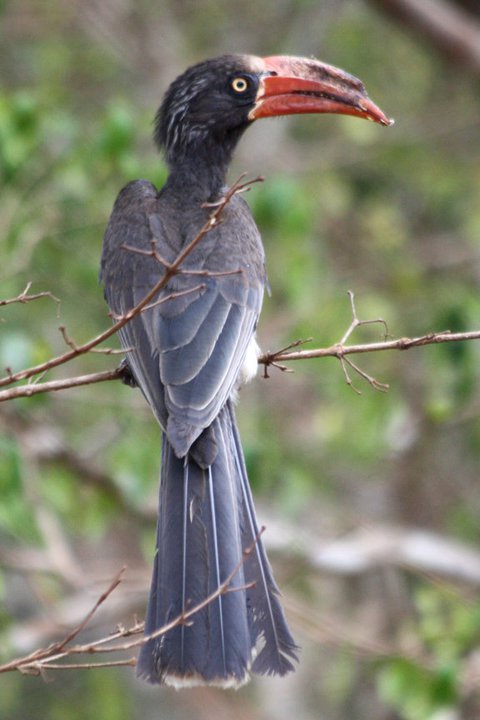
{"type": "Point", "coordinates": [31, 662]}
{"type": "Point", "coordinates": [24, 297]}
{"type": "Point", "coordinates": [48, 658]}
{"type": "Point", "coordinates": [171, 269]}
{"type": "Point", "coordinates": [339, 350]}
{"type": "Point", "coordinates": [356, 323]}
{"type": "Point", "coordinates": [273, 362]}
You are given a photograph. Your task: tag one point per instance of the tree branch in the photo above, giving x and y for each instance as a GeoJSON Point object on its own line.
{"type": "Point", "coordinates": [31, 389]}
{"type": "Point", "coordinates": [276, 359]}
{"type": "Point", "coordinates": [273, 359]}
{"type": "Point", "coordinates": [33, 662]}
{"type": "Point", "coordinates": [44, 659]}
{"type": "Point", "coordinates": [338, 350]}
{"type": "Point", "coordinates": [436, 558]}
{"type": "Point", "coordinates": [170, 269]}
{"type": "Point", "coordinates": [24, 297]}
{"type": "Point", "coordinates": [450, 29]}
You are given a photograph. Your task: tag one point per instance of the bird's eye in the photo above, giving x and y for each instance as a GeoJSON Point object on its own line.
{"type": "Point", "coordinates": [240, 84]}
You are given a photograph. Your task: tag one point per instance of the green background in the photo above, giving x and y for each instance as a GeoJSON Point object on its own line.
{"type": "Point", "coordinates": [390, 214]}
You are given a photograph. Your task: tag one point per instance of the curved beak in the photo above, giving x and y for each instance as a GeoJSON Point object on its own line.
{"type": "Point", "coordinates": [293, 85]}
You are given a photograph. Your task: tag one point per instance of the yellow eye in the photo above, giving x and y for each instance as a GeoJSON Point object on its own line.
{"type": "Point", "coordinates": [239, 84]}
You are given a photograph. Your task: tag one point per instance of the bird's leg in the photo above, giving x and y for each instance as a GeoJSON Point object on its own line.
{"type": "Point", "coordinates": [126, 376]}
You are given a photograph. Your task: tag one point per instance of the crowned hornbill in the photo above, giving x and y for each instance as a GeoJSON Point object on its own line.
{"type": "Point", "coordinates": [193, 346]}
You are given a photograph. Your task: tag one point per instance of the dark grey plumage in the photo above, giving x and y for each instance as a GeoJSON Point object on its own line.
{"type": "Point", "coordinates": [187, 356]}
{"type": "Point", "coordinates": [194, 345]}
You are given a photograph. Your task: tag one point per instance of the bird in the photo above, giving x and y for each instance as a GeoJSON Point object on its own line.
{"type": "Point", "coordinates": [190, 350]}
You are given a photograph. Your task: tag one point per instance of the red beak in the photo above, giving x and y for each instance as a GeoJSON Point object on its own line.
{"type": "Point", "coordinates": [292, 86]}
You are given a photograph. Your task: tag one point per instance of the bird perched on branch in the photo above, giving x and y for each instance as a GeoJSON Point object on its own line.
{"type": "Point", "coordinates": [191, 348]}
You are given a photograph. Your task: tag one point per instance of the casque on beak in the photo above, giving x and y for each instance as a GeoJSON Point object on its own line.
{"type": "Point", "coordinates": [294, 85]}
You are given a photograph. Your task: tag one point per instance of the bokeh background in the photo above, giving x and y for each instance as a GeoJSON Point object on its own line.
{"type": "Point", "coordinates": [371, 500]}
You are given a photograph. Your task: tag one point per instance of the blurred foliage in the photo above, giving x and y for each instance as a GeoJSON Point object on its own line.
{"type": "Point", "coordinates": [391, 214]}
{"type": "Point", "coordinates": [448, 628]}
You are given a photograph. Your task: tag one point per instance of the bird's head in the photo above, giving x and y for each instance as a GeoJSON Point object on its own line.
{"type": "Point", "coordinates": [213, 102]}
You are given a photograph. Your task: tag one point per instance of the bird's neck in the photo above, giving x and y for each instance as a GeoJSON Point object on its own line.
{"type": "Point", "coordinates": [196, 181]}
{"type": "Point", "coordinates": [200, 170]}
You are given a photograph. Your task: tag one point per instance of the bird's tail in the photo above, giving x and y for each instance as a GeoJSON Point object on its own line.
{"type": "Point", "coordinates": [206, 521]}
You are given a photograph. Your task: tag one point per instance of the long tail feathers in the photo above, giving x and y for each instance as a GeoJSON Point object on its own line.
{"type": "Point", "coordinates": [206, 520]}
{"type": "Point", "coordinates": [267, 622]}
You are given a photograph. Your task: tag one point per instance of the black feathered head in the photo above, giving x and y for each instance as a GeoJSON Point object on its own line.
{"type": "Point", "coordinates": [210, 105]}
{"type": "Point", "coordinates": [209, 101]}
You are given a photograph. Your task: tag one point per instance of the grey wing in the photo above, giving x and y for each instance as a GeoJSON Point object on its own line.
{"type": "Point", "coordinates": [202, 341]}
{"type": "Point", "coordinates": [128, 226]}
{"type": "Point", "coordinates": [142, 356]}
{"type": "Point", "coordinates": [187, 350]}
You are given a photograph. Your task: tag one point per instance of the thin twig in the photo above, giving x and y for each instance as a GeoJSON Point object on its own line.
{"type": "Point", "coordinates": [376, 384]}
{"type": "Point", "coordinates": [356, 323]}
{"type": "Point", "coordinates": [340, 350]}
{"type": "Point", "coordinates": [56, 649]}
{"type": "Point", "coordinates": [183, 618]}
{"type": "Point", "coordinates": [131, 662]}
{"type": "Point", "coordinates": [270, 359]}
{"type": "Point", "coordinates": [112, 351]}
{"type": "Point", "coordinates": [171, 269]}
{"type": "Point", "coordinates": [279, 366]}
{"type": "Point", "coordinates": [54, 385]}
{"type": "Point", "coordinates": [160, 301]}
{"type": "Point", "coordinates": [404, 343]}
{"type": "Point", "coordinates": [47, 658]}
{"type": "Point", "coordinates": [180, 271]}
{"type": "Point", "coordinates": [24, 297]}
{"type": "Point", "coordinates": [68, 340]}
{"type": "Point", "coordinates": [236, 188]}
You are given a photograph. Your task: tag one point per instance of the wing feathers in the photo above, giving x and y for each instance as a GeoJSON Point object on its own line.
{"type": "Point", "coordinates": [187, 349]}
{"type": "Point", "coordinates": [183, 363]}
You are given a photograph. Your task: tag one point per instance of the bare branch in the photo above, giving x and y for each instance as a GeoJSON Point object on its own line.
{"type": "Point", "coordinates": [130, 662]}
{"type": "Point", "coordinates": [404, 343]}
{"type": "Point", "coordinates": [171, 269]}
{"type": "Point", "coordinates": [24, 297]}
{"type": "Point", "coordinates": [375, 546]}
{"type": "Point", "coordinates": [340, 350]}
{"type": "Point", "coordinates": [276, 359]}
{"type": "Point", "coordinates": [358, 323]}
{"type": "Point", "coordinates": [284, 368]}
{"type": "Point", "coordinates": [54, 385]}
{"type": "Point", "coordinates": [376, 384]}
{"type": "Point", "coordinates": [269, 359]}
{"type": "Point", "coordinates": [48, 658]}
{"type": "Point", "coordinates": [437, 558]}
{"type": "Point", "coordinates": [32, 662]}
{"type": "Point", "coordinates": [185, 616]}
{"type": "Point", "coordinates": [81, 626]}
{"type": "Point", "coordinates": [68, 340]}
{"type": "Point", "coordinates": [153, 253]}
{"type": "Point", "coordinates": [453, 31]}
{"type": "Point", "coordinates": [237, 187]}
{"type": "Point", "coordinates": [111, 351]}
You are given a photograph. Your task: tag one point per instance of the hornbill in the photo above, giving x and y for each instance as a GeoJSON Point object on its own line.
{"type": "Point", "coordinates": [193, 346]}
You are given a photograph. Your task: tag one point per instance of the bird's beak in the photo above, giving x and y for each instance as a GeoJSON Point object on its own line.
{"type": "Point", "coordinates": [293, 85]}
